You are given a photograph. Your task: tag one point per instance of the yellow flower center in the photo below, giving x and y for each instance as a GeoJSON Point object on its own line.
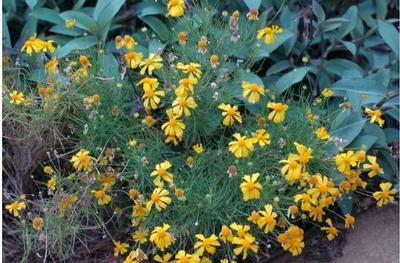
{"type": "Point", "coordinates": [246, 244]}
{"type": "Point", "coordinates": [253, 88]}
{"type": "Point", "coordinates": [231, 111]}
{"type": "Point", "coordinates": [161, 232]}
{"type": "Point", "coordinates": [250, 186]}
{"type": "Point", "coordinates": [174, 2]}
{"type": "Point", "coordinates": [206, 243]}
{"type": "Point", "coordinates": [149, 62]}
{"type": "Point", "coordinates": [155, 197]}
{"type": "Point", "coordinates": [385, 194]}
{"type": "Point", "coordinates": [191, 68]}
{"type": "Point", "coordinates": [322, 188]}
{"type": "Point", "coordinates": [161, 171]}
{"type": "Point", "coordinates": [185, 82]}
{"type": "Point", "coordinates": [241, 142]}
{"type": "Point", "coordinates": [202, 44]}
{"type": "Point", "coordinates": [182, 102]}
{"type": "Point", "coordinates": [83, 158]}
{"type": "Point", "coordinates": [279, 107]}
{"type": "Point", "coordinates": [149, 93]}
{"type": "Point", "coordinates": [172, 122]}
{"type": "Point", "coordinates": [269, 219]}
{"type": "Point", "coordinates": [375, 167]}
{"type": "Point", "coordinates": [293, 165]}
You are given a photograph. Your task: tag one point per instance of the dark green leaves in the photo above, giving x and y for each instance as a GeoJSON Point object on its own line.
{"type": "Point", "coordinates": [83, 21]}
{"type": "Point", "coordinates": [47, 14]}
{"type": "Point", "coordinates": [76, 44]}
{"type": "Point", "coordinates": [291, 78]}
{"type": "Point", "coordinates": [348, 129]}
{"type": "Point", "coordinates": [391, 36]}
{"type": "Point", "coordinates": [157, 26]}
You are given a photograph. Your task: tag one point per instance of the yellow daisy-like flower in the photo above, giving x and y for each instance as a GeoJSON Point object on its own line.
{"type": "Point", "coordinates": [292, 169]}
{"type": "Point", "coordinates": [349, 221]}
{"type": "Point", "coordinates": [161, 172]}
{"type": "Point", "coordinates": [133, 59]}
{"type": "Point", "coordinates": [186, 85]}
{"type": "Point", "coordinates": [51, 184]}
{"type": "Point", "coordinates": [230, 114]}
{"type": "Point", "coordinates": [85, 62]}
{"type": "Point", "coordinates": [198, 148]}
{"type": "Point", "coordinates": [327, 93]}
{"type": "Point", "coordinates": [32, 45]}
{"type": "Point", "coordinates": [164, 259]}
{"type": "Point", "coordinates": [151, 97]}
{"type": "Point", "coordinates": [193, 69]}
{"type": "Point", "coordinates": [269, 34]}
{"type": "Point", "coordinates": [375, 116]}
{"type": "Point", "coordinates": [386, 195]}
{"type": "Point", "coordinates": [48, 170]}
{"type": "Point", "coordinates": [15, 207]}
{"type": "Point", "coordinates": [322, 187]}
{"type": "Point", "coordinates": [120, 248]}
{"type": "Point", "coordinates": [251, 188]}
{"type": "Point", "coordinates": [242, 147]}
{"type": "Point", "coordinates": [70, 23]}
{"type": "Point", "coordinates": [37, 223]}
{"type": "Point", "coordinates": [373, 167]}
{"type": "Point", "coordinates": [278, 111]}
{"type": "Point", "coordinates": [214, 60]}
{"type": "Point", "coordinates": [345, 161]}
{"type": "Point", "coordinates": [331, 231]}
{"type": "Point", "coordinates": [129, 42]}
{"type": "Point", "coordinates": [306, 201]}
{"type": "Point", "coordinates": [102, 197]}
{"type": "Point", "coordinates": [261, 137]}
{"type": "Point", "coordinates": [148, 83]}
{"type": "Point", "coordinates": [150, 64]}
{"type": "Point", "coordinates": [16, 97]}
{"type": "Point", "coordinates": [304, 153]}
{"type": "Point", "coordinates": [225, 234]}
{"type": "Point", "coordinates": [159, 198]}
{"type": "Point", "coordinates": [51, 66]}
{"type": "Point", "coordinates": [292, 240]}
{"type": "Point", "coordinates": [245, 244]}
{"type": "Point", "coordinates": [161, 237]}
{"type": "Point", "coordinates": [174, 126]}
{"type": "Point", "coordinates": [182, 104]}
{"type": "Point", "coordinates": [322, 134]}
{"type": "Point", "coordinates": [252, 91]}
{"type": "Point", "coordinates": [208, 244]}
{"type": "Point", "coordinates": [202, 44]}
{"type": "Point", "coordinates": [252, 15]}
{"type": "Point", "coordinates": [267, 220]}
{"type": "Point", "coordinates": [183, 257]}
{"type": "Point", "coordinates": [82, 160]}
{"type": "Point", "coordinates": [141, 236]}
{"type": "Point", "coordinates": [254, 217]}
{"type": "Point", "coordinates": [176, 8]}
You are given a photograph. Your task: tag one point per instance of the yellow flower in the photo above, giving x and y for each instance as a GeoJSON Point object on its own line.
{"type": "Point", "coordinates": [278, 113]}
{"type": "Point", "coordinates": [322, 187]}
{"type": "Point", "coordinates": [37, 223]}
{"type": "Point", "coordinates": [129, 42]}
{"type": "Point", "coordinates": [317, 212]}
{"type": "Point", "coordinates": [331, 231]}
{"type": "Point", "coordinates": [148, 83]}
{"type": "Point", "coordinates": [148, 120]}
{"type": "Point", "coordinates": [208, 244]}
{"type": "Point", "coordinates": [179, 193]}
{"type": "Point", "coordinates": [70, 23]}
{"type": "Point", "coordinates": [85, 62]}
{"type": "Point", "coordinates": [345, 161]}
{"type": "Point", "coordinates": [252, 91]}
{"type": "Point", "coordinates": [230, 114]}
{"type": "Point", "coordinates": [51, 66]}
{"type": "Point", "coordinates": [186, 85]}
{"type": "Point", "coordinates": [176, 8]}
{"type": "Point", "coordinates": [133, 59]}
{"type": "Point", "coordinates": [373, 166]}
{"type": "Point", "coordinates": [322, 134]}
{"type": "Point", "coordinates": [151, 97]}
{"type": "Point", "coordinates": [251, 188]}
{"type": "Point", "coordinates": [253, 14]}
{"type": "Point", "coordinates": [15, 207]}
{"type": "Point", "coordinates": [304, 153]}
{"type": "Point", "coordinates": [82, 160]}
{"type": "Point", "coordinates": [165, 259]}
{"type": "Point", "coordinates": [161, 172]}
{"type": "Point", "coordinates": [202, 44]}
{"type": "Point", "coordinates": [48, 170]}
{"type": "Point", "coordinates": [306, 201]}
{"type": "Point", "coordinates": [292, 169]}
{"type": "Point", "coordinates": [242, 147]}
{"type": "Point", "coordinates": [120, 248]}
{"type": "Point", "coordinates": [16, 97]}
{"type": "Point", "coordinates": [245, 244]}
{"type": "Point", "coordinates": [136, 256]}
{"type": "Point", "coordinates": [254, 217]}
{"type": "Point", "coordinates": [386, 195]}
{"type": "Point", "coordinates": [198, 148]}
{"type": "Point", "coordinates": [119, 42]}
{"type": "Point", "coordinates": [47, 46]}
{"type": "Point", "coordinates": [102, 197]}
{"type": "Point", "coordinates": [150, 64]}
{"type": "Point", "coordinates": [270, 34]}
{"type": "Point", "coordinates": [349, 221]}
{"type": "Point", "coordinates": [182, 38]}
{"type": "Point", "coordinates": [174, 126]}
{"type": "Point", "coordinates": [161, 237]}
{"type": "Point", "coordinates": [236, 15]}
{"type": "Point", "coordinates": [183, 257]}
{"type": "Point", "coordinates": [159, 198]}
{"type": "Point", "coordinates": [141, 236]}
{"type": "Point", "coordinates": [51, 184]}
{"type": "Point", "coordinates": [133, 193]}
{"type": "Point", "coordinates": [267, 220]}
{"type": "Point", "coordinates": [182, 104]}
{"type": "Point", "coordinates": [193, 69]}
{"type": "Point", "coordinates": [226, 234]}
{"type": "Point", "coordinates": [32, 45]}
{"type": "Point", "coordinates": [261, 137]}
{"type": "Point", "coordinates": [132, 143]}
{"type": "Point", "coordinates": [292, 240]}
{"type": "Point", "coordinates": [241, 230]}
{"type": "Point", "coordinates": [327, 93]}
{"type": "Point", "coordinates": [214, 60]}
{"type": "Point", "coordinates": [375, 116]}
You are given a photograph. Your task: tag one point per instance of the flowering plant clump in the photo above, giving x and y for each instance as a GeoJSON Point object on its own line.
{"type": "Point", "coordinates": [180, 151]}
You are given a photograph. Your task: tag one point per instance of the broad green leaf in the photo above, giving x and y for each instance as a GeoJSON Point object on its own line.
{"type": "Point", "coordinates": [278, 67]}
{"type": "Point", "coordinates": [360, 86]}
{"type": "Point", "coordinates": [253, 3]}
{"type": "Point", "coordinates": [29, 28]}
{"type": "Point", "coordinates": [31, 3]}
{"type": "Point", "coordinates": [386, 161]}
{"type": "Point", "coordinates": [61, 29]}
{"type": "Point", "coordinates": [78, 5]}
{"type": "Point", "coordinates": [318, 11]}
{"type": "Point", "coordinates": [100, 6]}
{"type": "Point", "coordinates": [109, 66]}
{"type": "Point", "coordinates": [391, 36]}
{"type": "Point", "coordinates": [375, 130]}
{"type": "Point", "coordinates": [363, 142]}
{"type": "Point", "coordinates": [157, 26]}
{"type": "Point", "coordinates": [47, 14]}
{"type": "Point", "coordinates": [338, 66]}
{"type": "Point", "coordinates": [392, 102]}
{"type": "Point", "coordinates": [350, 47]}
{"type": "Point", "coordinates": [346, 203]}
{"type": "Point", "coordinates": [6, 34]}
{"type": "Point", "coordinates": [265, 50]}
{"type": "Point", "coordinates": [290, 79]}
{"type": "Point", "coordinates": [392, 135]}
{"type": "Point", "coordinates": [155, 45]}
{"type": "Point", "coordinates": [76, 44]}
{"type": "Point", "coordinates": [10, 6]}
{"type": "Point", "coordinates": [351, 15]}
{"type": "Point", "coordinates": [348, 129]}
{"type": "Point", "coordinates": [289, 20]}
{"type": "Point", "coordinates": [394, 113]}
{"type": "Point", "coordinates": [83, 21]}
{"type": "Point", "coordinates": [381, 9]}
{"type": "Point", "coordinates": [332, 23]}
{"type": "Point", "coordinates": [109, 12]}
